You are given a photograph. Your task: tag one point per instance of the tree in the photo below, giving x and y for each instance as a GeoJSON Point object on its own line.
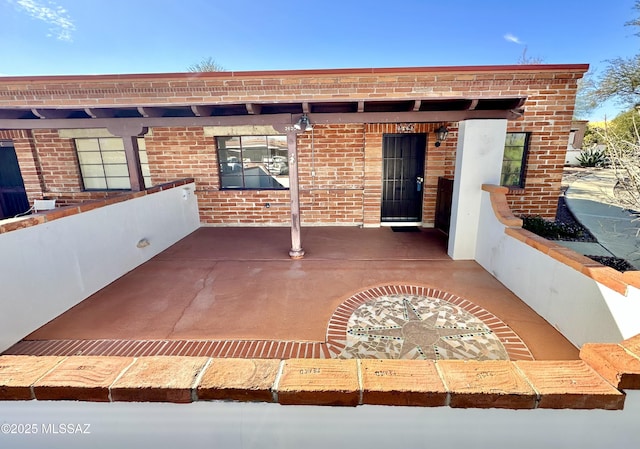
{"type": "Point", "coordinates": [623, 153]}
{"type": "Point", "coordinates": [635, 22]}
{"type": "Point", "coordinates": [206, 65]}
{"type": "Point", "coordinates": [625, 125]}
{"type": "Point", "coordinates": [526, 60]}
{"type": "Point", "coordinates": [620, 81]}
{"type": "Point", "coordinates": [621, 78]}
{"type": "Point", "coordinates": [585, 102]}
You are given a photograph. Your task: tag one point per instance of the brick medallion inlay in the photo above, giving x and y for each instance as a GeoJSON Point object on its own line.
{"type": "Point", "coordinates": [390, 322]}
{"type": "Point", "coordinates": [408, 322]}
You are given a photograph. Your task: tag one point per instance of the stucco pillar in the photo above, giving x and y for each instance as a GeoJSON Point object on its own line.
{"type": "Point", "coordinates": [478, 161]}
{"type": "Point", "coordinates": [296, 251]}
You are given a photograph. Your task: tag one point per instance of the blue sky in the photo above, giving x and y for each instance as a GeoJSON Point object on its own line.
{"type": "Point", "coordinates": [42, 37]}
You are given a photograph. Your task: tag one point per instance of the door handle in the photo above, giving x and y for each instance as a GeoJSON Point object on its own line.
{"type": "Point", "coordinates": [419, 182]}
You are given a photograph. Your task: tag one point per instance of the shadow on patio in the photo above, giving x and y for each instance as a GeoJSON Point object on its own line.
{"type": "Point", "coordinates": [234, 292]}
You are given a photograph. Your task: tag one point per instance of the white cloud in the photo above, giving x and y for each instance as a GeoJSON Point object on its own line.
{"type": "Point", "coordinates": [61, 25]}
{"type": "Point", "coordinates": [511, 38]}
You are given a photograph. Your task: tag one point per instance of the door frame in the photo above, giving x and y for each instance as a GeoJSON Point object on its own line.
{"type": "Point", "coordinates": [419, 172]}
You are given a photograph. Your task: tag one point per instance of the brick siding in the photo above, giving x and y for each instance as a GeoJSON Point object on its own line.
{"type": "Point", "coordinates": [340, 166]}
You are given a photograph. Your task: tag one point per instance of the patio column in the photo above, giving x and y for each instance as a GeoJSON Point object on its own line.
{"type": "Point", "coordinates": [132, 153]}
{"type": "Point", "coordinates": [129, 134]}
{"type": "Point", "coordinates": [296, 251]}
{"type": "Point", "coordinates": [478, 161]}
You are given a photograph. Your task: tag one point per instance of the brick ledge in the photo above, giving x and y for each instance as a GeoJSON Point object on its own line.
{"type": "Point", "coordinates": [460, 384]}
{"type": "Point", "coordinates": [607, 276]}
{"type": "Point", "coordinates": [66, 211]}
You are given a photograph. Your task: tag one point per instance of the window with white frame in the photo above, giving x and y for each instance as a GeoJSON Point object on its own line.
{"type": "Point", "coordinates": [103, 163]}
{"type": "Point", "coordinates": [253, 162]}
{"type": "Point", "coordinates": [516, 147]}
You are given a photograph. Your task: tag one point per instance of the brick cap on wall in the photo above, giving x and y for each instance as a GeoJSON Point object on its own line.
{"type": "Point", "coordinates": [573, 384]}
{"type": "Point", "coordinates": [66, 211]}
{"type": "Point", "coordinates": [613, 279]}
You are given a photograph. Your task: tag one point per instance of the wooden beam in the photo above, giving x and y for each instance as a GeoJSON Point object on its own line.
{"type": "Point", "coordinates": [37, 113]}
{"type": "Point", "coordinates": [132, 153]}
{"type": "Point", "coordinates": [150, 112]}
{"type": "Point", "coordinates": [266, 119]}
{"type": "Point", "coordinates": [253, 109]}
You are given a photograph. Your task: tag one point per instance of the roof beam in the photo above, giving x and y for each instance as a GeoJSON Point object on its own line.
{"type": "Point", "coordinates": [253, 109]}
{"type": "Point", "coordinates": [51, 113]}
{"type": "Point", "coordinates": [150, 112]}
{"type": "Point", "coordinates": [270, 119]}
{"type": "Point", "coordinates": [201, 111]}
{"type": "Point", "coordinates": [100, 112]}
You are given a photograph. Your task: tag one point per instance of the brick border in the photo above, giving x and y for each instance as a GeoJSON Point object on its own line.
{"type": "Point", "coordinates": [337, 328]}
{"type": "Point", "coordinates": [427, 383]}
{"type": "Point", "coordinates": [249, 349]}
{"type": "Point", "coordinates": [268, 349]}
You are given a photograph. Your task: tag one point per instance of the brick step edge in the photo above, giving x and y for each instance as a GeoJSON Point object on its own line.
{"type": "Point", "coordinates": [571, 384]}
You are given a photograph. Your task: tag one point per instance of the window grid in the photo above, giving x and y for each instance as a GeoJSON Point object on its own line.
{"type": "Point", "coordinates": [103, 163]}
{"type": "Point", "coordinates": [253, 162]}
{"type": "Point", "coordinates": [514, 160]}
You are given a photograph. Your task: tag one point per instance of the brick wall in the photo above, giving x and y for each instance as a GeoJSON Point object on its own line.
{"type": "Point", "coordinates": [331, 166]}
{"type": "Point", "coordinates": [348, 156]}
{"type": "Point", "coordinates": [26, 153]}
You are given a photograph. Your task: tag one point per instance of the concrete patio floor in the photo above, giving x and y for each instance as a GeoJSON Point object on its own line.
{"type": "Point", "coordinates": [231, 284]}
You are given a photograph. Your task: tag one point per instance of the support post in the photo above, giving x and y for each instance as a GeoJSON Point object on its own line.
{"type": "Point", "coordinates": [478, 161]}
{"type": "Point", "coordinates": [129, 133]}
{"type": "Point", "coordinates": [296, 251]}
{"type": "Point", "coordinates": [132, 153]}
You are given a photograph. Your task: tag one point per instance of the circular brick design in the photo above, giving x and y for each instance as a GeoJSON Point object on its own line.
{"type": "Point", "coordinates": [411, 322]}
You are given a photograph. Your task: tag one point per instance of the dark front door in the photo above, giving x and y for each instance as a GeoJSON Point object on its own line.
{"type": "Point", "coordinates": [13, 197]}
{"type": "Point", "coordinates": [402, 177]}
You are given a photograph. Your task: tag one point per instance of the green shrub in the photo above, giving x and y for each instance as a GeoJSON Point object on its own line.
{"type": "Point", "coordinates": [552, 230]}
{"type": "Point", "coordinates": [592, 157]}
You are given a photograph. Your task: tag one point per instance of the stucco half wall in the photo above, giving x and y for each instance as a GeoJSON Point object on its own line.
{"type": "Point", "coordinates": [60, 262]}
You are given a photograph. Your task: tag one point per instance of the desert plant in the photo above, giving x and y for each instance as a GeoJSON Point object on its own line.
{"type": "Point", "coordinates": [592, 157]}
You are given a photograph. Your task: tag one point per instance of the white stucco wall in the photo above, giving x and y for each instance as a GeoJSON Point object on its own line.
{"type": "Point", "coordinates": [260, 425]}
{"type": "Point", "coordinates": [579, 307]}
{"type": "Point", "coordinates": [48, 268]}
{"type": "Point", "coordinates": [478, 161]}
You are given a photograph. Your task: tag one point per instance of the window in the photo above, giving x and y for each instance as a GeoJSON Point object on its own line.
{"type": "Point", "coordinates": [103, 163]}
{"type": "Point", "coordinates": [253, 162]}
{"type": "Point", "coordinates": [513, 162]}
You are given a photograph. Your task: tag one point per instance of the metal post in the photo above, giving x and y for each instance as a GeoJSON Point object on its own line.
{"type": "Point", "coordinates": [296, 251]}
